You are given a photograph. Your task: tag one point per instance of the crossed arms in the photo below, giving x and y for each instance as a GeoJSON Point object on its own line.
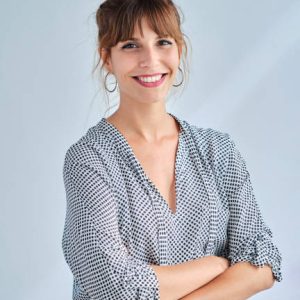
{"type": "Point", "coordinates": [211, 278]}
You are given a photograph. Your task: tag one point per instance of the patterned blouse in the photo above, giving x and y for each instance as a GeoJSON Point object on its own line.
{"type": "Point", "coordinates": [117, 222]}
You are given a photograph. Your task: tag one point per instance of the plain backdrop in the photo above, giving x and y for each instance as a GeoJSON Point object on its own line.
{"type": "Point", "coordinates": [244, 80]}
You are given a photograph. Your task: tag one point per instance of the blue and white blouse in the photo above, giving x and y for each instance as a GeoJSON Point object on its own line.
{"type": "Point", "coordinates": [117, 222]}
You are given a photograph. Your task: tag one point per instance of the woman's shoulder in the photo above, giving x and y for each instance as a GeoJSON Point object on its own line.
{"type": "Point", "coordinates": [213, 144]}
{"type": "Point", "coordinates": [90, 149]}
{"type": "Point", "coordinates": [209, 140]}
{"type": "Point", "coordinates": [210, 137]}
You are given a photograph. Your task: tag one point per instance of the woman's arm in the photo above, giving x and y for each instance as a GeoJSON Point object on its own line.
{"type": "Point", "coordinates": [92, 245]}
{"type": "Point", "coordinates": [249, 237]}
{"type": "Point", "coordinates": [176, 281]}
{"type": "Point", "coordinates": [255, 261]}
{"type": "Point", "coordinates": [238, 282]}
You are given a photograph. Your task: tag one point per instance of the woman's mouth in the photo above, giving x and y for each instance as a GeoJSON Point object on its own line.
{"type": "Point", "coordinates": [153, 81]}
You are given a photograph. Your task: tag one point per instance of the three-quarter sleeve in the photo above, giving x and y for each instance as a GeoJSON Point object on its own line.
{"type": "Point", "coordinates": [249, 238]}
{"type": "Point", "coordinates": [92, 245]}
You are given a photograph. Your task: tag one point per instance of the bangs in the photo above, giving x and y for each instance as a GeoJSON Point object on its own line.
{"type": "Point", "coordinates": [118, 19]}
{"type": "Point", "coordinates": [161, 19]}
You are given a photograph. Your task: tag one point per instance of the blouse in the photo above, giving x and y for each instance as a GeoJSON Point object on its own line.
{"type": "Point", "coordinates": [117, 222]}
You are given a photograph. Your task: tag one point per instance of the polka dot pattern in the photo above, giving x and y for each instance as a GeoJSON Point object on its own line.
{"type": "Point", "coordinates": [117, 222]}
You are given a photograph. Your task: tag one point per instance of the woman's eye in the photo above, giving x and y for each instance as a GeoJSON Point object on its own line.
{"type": "Point", "coordinates": [168, 42]}
{"type": "Point", "coordinates": [133, 45]}
{"type": "Point", "coordinates": [126, 46]}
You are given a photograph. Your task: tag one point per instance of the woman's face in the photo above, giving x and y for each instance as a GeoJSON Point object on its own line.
{"type": "Point", "coordinates": [146, 55]}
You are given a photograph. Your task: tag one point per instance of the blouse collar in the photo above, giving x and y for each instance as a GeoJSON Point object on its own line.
{"type": "Point", "coordinates": [125, 150]}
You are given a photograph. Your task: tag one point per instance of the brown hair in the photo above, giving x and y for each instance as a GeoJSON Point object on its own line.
{"type": "Point", "coordinates": [116, 20]}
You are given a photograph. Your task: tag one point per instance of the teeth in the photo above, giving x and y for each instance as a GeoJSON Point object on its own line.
{"type": "Point", "coordinates": [150, 79]}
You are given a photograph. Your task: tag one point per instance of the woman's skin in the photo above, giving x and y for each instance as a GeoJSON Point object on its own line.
{"type": "Point", "coordinates": [142, 110]}
{"type": "Point", "coordinates": [142, 117]}
{"type": "Point", "coordinates": [238, 282]}
{"type": "Point", "coordinates": [177, 281]}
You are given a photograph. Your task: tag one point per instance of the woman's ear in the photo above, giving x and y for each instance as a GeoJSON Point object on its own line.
{"type": "Point", "coordinates": [104, 55]}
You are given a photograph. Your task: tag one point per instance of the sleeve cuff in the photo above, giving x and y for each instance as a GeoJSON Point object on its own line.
{"type": "Point", "coordinates": [259, 250]}
{"type": "Point", "coordinates": [146, 275]}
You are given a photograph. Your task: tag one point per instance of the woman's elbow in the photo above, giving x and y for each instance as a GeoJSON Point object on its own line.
{"type": "Point", "coordinates": [271, 282]}
{"type": "Point", "coordinates": [269, 279]}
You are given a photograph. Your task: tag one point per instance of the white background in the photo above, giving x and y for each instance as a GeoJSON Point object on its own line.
{"type": "Point", "coordinates": [244, 80]}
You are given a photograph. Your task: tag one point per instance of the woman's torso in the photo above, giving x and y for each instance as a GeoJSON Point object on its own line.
{"type": "Point", "coordinates": [149, 226]}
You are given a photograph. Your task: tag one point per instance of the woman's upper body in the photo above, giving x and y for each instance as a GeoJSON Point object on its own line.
{"type": "Point", "coordinates": [118, 222]}
{"type": "Point", "coordinates": [143, 189]}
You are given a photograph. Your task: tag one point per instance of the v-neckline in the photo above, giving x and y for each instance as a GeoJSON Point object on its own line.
{"type": "Point", "coordinates": [132, 158]}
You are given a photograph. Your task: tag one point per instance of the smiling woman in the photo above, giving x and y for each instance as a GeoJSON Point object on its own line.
{"type": "Point", "coordinates": [158, 208]}
{"type": "Point", "coordinates": [159, 60]}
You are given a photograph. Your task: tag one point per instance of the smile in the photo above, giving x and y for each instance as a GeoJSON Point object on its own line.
{"type": "Point", "coordinates": [153, 81]}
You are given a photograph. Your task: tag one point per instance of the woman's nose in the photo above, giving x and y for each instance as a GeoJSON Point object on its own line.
{"type": "Point", "coordinates": [148, 57]}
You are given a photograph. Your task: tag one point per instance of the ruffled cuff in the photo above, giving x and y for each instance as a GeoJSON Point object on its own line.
{"type": "Point", "coordinates": [259, 250]}
{"type": "Point", "coordinates": [141, 276]}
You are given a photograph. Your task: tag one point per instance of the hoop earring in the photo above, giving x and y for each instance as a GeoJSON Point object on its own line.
{"type": "Point", "coordinates": [176, 85]}
{"type": "Point", "coordinates": [116, 83]}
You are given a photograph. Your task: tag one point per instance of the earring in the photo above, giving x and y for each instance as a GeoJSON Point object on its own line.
{"type": "Point", "coordinates": [106, 86]}
{"type": "Point", "coordinates": [176, 85]}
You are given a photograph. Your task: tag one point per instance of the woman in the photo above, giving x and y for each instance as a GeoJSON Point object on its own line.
{"type": "Point", "coordinates": [158, 208]}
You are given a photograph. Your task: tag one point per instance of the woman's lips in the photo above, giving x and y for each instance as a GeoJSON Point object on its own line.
{"type": "Point", "coordinates": [151, 84]}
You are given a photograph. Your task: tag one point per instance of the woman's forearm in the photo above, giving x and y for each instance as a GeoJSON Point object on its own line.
{"type": "Point", "coordinates": [239, 282]}
{"type": "Point", "coordinates": [176, 281]}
